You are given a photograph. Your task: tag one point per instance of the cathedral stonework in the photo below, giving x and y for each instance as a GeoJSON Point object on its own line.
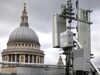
{"type": "Point", "coordinates": [23, 45]}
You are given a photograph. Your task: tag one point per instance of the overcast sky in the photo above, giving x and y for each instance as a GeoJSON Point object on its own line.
{"type": "Point", "coordinates": [40, 14]}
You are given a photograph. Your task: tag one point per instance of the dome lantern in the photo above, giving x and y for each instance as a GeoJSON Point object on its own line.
{"type": "Point", "coordinates": [24, 17]}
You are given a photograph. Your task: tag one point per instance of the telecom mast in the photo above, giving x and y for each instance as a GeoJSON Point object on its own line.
{"type": "Point", "coordinates": [77, 50]}
{"type": "Point", "coordinates": [66, 37]}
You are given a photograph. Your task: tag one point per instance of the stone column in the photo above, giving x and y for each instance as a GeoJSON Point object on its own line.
{"type": "Point", "coordinates": [8, 58]}
{"type": "Point", "coordinates": [42, 58]}
{"type": "Point", "coordinates": [32, 58]}
{"type": "Point", "coordinates": [24, 58]}
{"type": "Point", "coordinates": [11, 58]}
{"type": "Point", "coordinates": [5, 58]}
{"type": "Point", "coordinates": [39, 59]}
{"type": "Point", "coordinates": [36, 59]}
{"type": "Point", "coordinates": [28, 58]}
{"type": "Point", "coordinates": [15, 58]}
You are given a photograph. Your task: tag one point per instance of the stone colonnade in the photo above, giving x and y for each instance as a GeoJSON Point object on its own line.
{"type": "Point", "coordinates": [27, 58]}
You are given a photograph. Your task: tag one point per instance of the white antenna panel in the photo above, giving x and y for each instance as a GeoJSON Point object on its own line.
{"type": "Point", "coordinates": [59, 25]}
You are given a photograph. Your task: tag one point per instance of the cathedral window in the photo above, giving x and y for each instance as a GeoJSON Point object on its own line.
{"type": "Point", "coordinates": [26, 58]}
{"type": "Point", "coordinates": [22, 44]}
{"type": "Point", "coordinates": [19, 44]}
{"type": "Point", "coordinates": [34, 58]}
{"type": "Point", "coordinates": [35, 45]}
{"type": "Point", "coordinates": [15, 44]}
{"type": "Point", "coordinates": [30, 58]}
{"type": "Point", "coordinates": [9, 58]}
{"type": "Point", "coordinates": [3, 58]}
{"type": "Point", "coordinates": [13, 58]}
{"type": "Point", "coordinates": [38, 59]}
{"type": "Point", "coordinates": [17, 58]}
{"type": "Point", "coordinates": [6, 58]}
{"type": "Point", "coordinates": [25, 44]}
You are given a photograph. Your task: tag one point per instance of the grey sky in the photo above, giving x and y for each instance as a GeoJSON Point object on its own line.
{"type": "Point", "coordinates": [40, 14]}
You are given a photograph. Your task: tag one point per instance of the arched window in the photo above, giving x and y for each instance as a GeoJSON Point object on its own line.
{"type": "Point", "coordinates": [22, 44]}
{"type": "Point", "coordinates": [19, 44]}
{"type": "Point", "coordinates": [25, 44]}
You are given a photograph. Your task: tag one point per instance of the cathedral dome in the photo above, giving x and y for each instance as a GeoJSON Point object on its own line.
{"type": "Point", "coordinates": [23, 44]}
{"type": "Point", "coordinates": [23, 34]}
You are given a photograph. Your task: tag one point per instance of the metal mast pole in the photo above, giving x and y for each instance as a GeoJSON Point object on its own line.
{"type": "Point", "coordinates": [68, 51]}
{"type": "Point", "coordinates": [67, 14]}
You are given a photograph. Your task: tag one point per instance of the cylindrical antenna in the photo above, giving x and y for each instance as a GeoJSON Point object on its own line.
{"type": "Point", "coordinates": [77, 15]}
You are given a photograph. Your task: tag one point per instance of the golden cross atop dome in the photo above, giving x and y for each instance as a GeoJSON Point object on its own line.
{"type": "Point", "coordinates": [24, 5]}
{"type": "Point", "coordinates": [24, 17]}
